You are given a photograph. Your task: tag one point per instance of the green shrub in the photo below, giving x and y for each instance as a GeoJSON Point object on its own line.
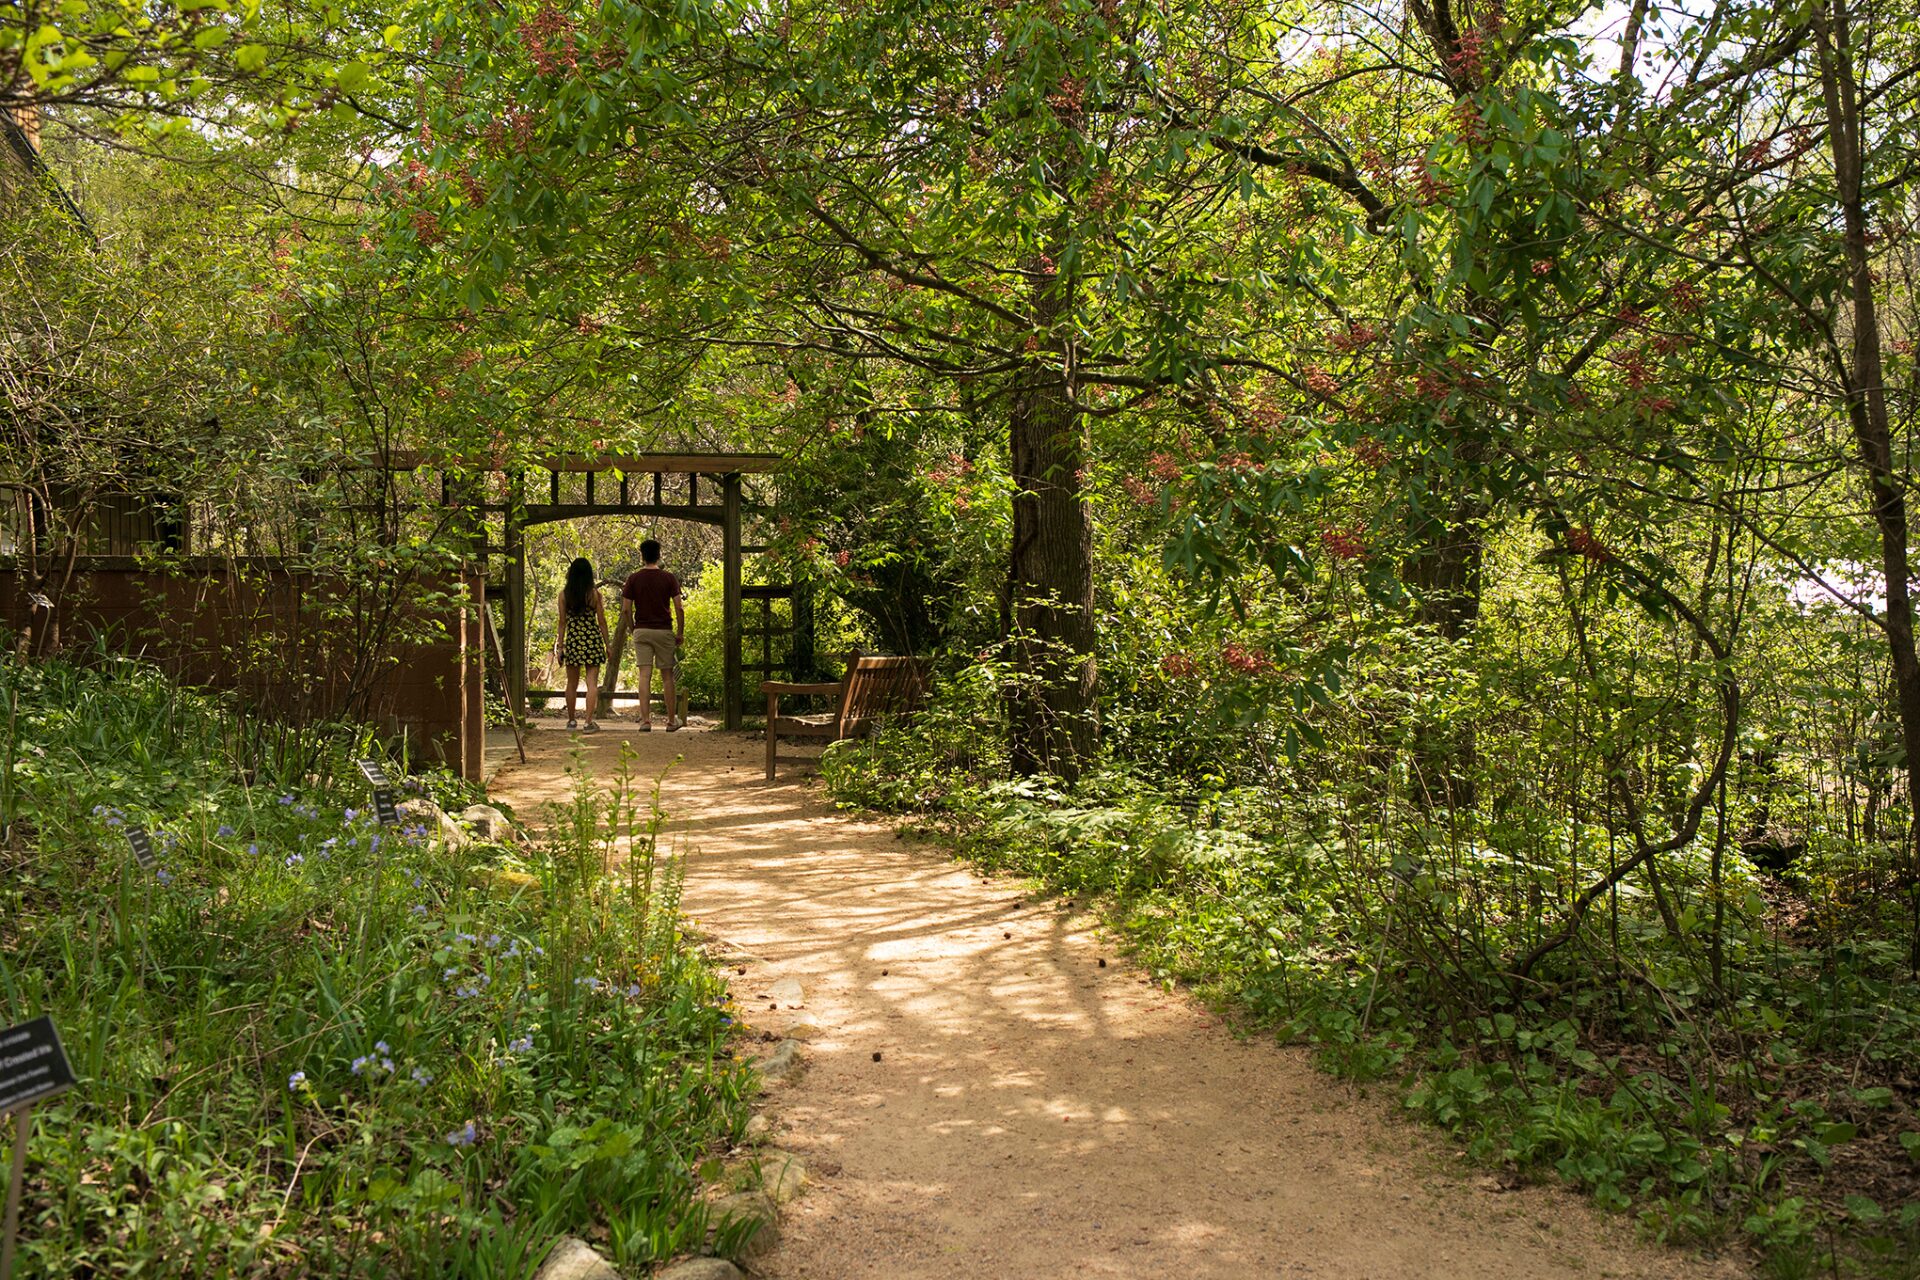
{"type": "Point", "coordinates": [308, 1043]}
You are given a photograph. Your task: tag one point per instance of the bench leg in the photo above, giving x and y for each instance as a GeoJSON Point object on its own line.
{"type": "Point", "coordinates": [773, 739]}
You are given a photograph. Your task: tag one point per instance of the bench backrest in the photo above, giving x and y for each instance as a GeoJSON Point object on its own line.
{"type": "Point", "coordinates": [875, 687]}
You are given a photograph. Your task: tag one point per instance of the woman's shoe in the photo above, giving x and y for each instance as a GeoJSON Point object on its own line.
{"type": "Point", "coordinates": [573, 726]}
{"type": "Point", "coordinates": [593, 727]}
{"type": "Point", "coordinates": [675, 728]}
{"type": "Point", "coordinates": [646, 728]}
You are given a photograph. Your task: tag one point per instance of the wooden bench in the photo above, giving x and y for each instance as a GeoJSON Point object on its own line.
{"type": "Point", "coordinates": [872, 687]}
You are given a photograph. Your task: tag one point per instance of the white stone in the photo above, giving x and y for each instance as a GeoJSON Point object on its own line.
{"type": "Point", "coordinates": [782, 1062]}
{"type": "Point", "coordinates": [783, 1176]}
{"type": "Point", "coordinates": [754, 1206]}
{"type": "Point", "coordinates": [788, 992]}
{"type": "Point", "coordinates": [488, 821]}
{"type": "Point", "coordinates": [701, 1269]}
{"type": "Point", "coordinates": [574, 1259]}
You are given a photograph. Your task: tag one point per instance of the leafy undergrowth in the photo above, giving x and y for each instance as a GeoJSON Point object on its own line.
{"type": "Point", "coordinates": [310, 1045]}
{"type": "Point", "coordinates": [1776, 1111]}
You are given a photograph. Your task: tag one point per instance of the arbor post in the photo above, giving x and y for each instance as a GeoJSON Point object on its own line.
{"type": "Point", "coordinates": [731, 696]}
{"type": "Point", "coordinates": [515, 549]}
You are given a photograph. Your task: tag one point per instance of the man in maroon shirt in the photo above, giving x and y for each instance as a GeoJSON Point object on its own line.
{"type": "Point", "coordinates": [644, 602]}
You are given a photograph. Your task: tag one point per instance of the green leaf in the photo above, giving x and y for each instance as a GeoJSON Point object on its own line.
{"type": "Point", "coordinates": [1863, 1209]}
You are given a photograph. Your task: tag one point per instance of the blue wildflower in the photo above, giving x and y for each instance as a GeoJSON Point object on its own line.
{"type": "Point", "coordinates": [493, 940]}
{"type": "Point", "coordinates": [253, 848]}
{"type": "Point", "coordinates": [463, 1137]}
{"type": "Point", "coordinates": [224, 831]}
{"type": "Point", "coordinates": [422, 1077]}
{"type": "Point", "coordinates": [286, 799]}
{"type": "Point", "coordinates": [633, 990]}
{"type": "Point", "coordinates": [295, 1080]}
{"type": "Point", "coordinates": [523, 1045]}
{"type": "Point", "coordinates": [380, 1046]}
{"type": "Point", "coordinates": [418, 909]}
{"type": "Point", "coordinates": [164, 876]}
{"type": "Point", "coordinates": [359, 1065]}
{"type": "Point", "coordinates": [350, 814]}
{"type": "Point", "coordinates": [294, 860]}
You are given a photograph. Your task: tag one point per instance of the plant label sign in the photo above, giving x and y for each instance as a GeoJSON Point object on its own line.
{"type": "Point", "coordinates": [142, 846]}
{"type": "Point", "coordinates": [383, 807]}
{"type": "Point", "coordinates": [33, 1066]}
{"type": "Point", "coordinates": [375, 775]}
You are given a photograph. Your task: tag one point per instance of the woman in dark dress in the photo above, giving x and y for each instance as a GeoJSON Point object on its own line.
{"type": "Point", "coordinates": [582, 637]}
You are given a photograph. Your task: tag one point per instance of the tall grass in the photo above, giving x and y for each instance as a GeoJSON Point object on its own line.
{"type": "Point", "coordinates": [309, 1045]}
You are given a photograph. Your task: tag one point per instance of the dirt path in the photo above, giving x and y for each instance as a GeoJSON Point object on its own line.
{"type": "Point", "coordinates": [1033, 1113]}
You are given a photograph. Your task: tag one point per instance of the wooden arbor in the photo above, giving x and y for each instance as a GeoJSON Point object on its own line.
{"type": "Point", "coordinates": [706, 488]}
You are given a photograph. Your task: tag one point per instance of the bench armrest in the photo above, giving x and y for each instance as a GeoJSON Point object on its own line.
{"type": "Point", "coordinates": [781, 686]}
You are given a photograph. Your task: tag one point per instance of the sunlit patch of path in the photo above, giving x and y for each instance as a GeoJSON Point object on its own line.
{"type": "Point", "coordinates": [1031, 1112]}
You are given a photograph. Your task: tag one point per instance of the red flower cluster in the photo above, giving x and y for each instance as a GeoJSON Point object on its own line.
{"type": "Point", "coordinates": [1543, 266]}
{"type": "Point", "coordinates": [1466, 118]}
{"type": "Point", "coordinates": [1101, 196]}
{"type": "Point", "coordinates": [1246, 661]}
{"type": "Point", "coordinates": [1164, 467]}
{"type": "Point", "coordinates": [843, 558]}
{"type": "Point", "coordinates": [1431, 386]}
{"type": "Point", "coordinates": [1358, 335]}
{"type": "Point", "coordinates": [1687, 298]}
{"type": "Point", "coordinates": [1240, 463]}
{"type": "Point", "coordinates": [1320, 382]}
{"type": "Point", "coordinates": [1470, 57]}
{"type": "Point", "coordinates": [1651, 405]}
{"type": "Point", "coordinates": [1344, 543]}
{"type": "Point", "coordinates": [1369, 452]}
{"type": "Point", "coordinates": [1179, 666]}
{"type": "Point", "coordinates": [426, 228]}
{"type": "Point", "coordinates": [1638, 372]}
{"type": "Point", "coordinates": [1582, 542]}
{"type": "Point", "coordinates": [1140, 491]}
{"type": "Point", "coordinates": [1432, 189]}
{"type": "Point", "coordinates": [549, 39]}
{"type": "Point", "coordinates": [1630, 317]}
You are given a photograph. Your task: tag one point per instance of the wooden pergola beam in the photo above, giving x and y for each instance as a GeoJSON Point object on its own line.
{"type": "Point", "coordinates": [707, 464]}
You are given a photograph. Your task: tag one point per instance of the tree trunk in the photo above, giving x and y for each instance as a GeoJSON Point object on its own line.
{"type": "Point", "coordinates": [1050, 577]}
{"type": "Point", "coordinates": [1443, 573]}
{"type": "Point", "coordinates": [1864, 382]}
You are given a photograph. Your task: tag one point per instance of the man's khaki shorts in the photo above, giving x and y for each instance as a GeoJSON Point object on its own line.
{"type": "Point", "coordinates": [653, 648]}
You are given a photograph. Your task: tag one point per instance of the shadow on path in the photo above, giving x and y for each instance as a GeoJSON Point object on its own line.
{"type": "Point", "coordinates": [1032, 1113]}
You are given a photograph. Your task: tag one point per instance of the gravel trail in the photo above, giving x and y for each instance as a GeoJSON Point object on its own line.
{"type": "Point", "coordinates": [1031, 1112]}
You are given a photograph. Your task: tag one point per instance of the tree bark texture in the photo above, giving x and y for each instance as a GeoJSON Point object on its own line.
{"type": "Point", "coordinates": [1050, 577]}
{"type": "Point", "coordinates": [1864, 381]}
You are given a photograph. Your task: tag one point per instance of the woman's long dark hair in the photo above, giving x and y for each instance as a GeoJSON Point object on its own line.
{"type": "Point", "coordinates": [579, 586]}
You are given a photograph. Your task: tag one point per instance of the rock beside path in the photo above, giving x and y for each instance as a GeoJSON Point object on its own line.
{"type": "Point", "coordinates": [749, 1206]}
{"type": "Point", "coordinates": [572, 1258]}
{"type": "Point", "coordinates": [783, 1176]}
{"type": "Point", "coordinates": [783, 1062]}
{"type": "Point", "coordinates": [701, 1269]}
